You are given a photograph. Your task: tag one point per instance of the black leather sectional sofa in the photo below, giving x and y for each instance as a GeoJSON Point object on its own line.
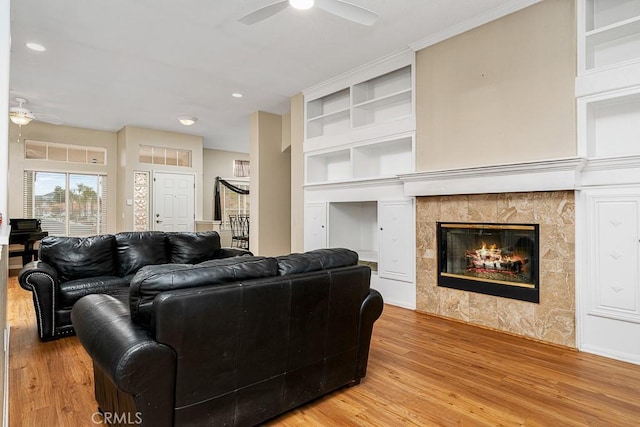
{"type": "Point", "coordinates": [229, 342]}
{"type": "Point", "coordinates": [72, 267]}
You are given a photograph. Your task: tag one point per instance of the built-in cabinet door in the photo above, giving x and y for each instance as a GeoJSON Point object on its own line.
{"type": "Point", "coordinates": [396, 239]}
{"type": "Point", "coordinates": [611, 310]}
{"type": "Point", "coordinates": [315, 226]}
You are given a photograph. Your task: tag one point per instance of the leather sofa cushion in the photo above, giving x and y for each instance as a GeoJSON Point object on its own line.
{"type": "Point", "coordinates": [79, 257]}
{"type": "Point", "coordinates": [73, 290]}
{"type": "Point", "coordinates": [136, 249]}
{"type": "Point", "coordinates": [152, 280]}
{"type": "Point", "coordinates": [319, 259]}
{"type": "Point", "coordinates": [193, 248]}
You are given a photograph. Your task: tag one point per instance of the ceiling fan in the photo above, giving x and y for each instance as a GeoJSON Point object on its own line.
{"type": "Point", "coordinates": [339, 8]}
{"type": "Point", "coordinates": [21, 115]}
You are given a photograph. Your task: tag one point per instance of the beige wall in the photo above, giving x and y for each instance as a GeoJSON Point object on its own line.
{"type": "Point", "coordinates": [39, 131]}
{"type": "Point", "coordinates": [129, 141]}
{"type": "Point", "coordinates": [216, 163]}
{"type": "Point", "coordinates": [501, 93]}
{"type": "Point", "coordinates": [297, 173]}
{"type": "Point", "coordinates": [270, 186]}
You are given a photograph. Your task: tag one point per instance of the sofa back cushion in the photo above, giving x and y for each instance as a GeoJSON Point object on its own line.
{"type": "Point", "coordinates": [79, 257]}
{"type": "Point", "coordinates": [319, 259]}
{"type": "Point", "coordinates": [193, 248]}
{"type": "Point", "coordinates": [152, 280]}
{"type": "Point", "coordinates": [135, 249]}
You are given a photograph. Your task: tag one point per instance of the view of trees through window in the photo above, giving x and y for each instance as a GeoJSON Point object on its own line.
{"type": "Point", "coordinates": [67, 204]}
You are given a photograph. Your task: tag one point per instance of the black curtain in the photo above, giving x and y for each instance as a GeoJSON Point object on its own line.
{"type": "Point", "coordinates": [217, 215]}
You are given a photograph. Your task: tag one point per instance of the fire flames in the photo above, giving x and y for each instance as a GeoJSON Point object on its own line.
{"type": "Point", "coordinates": [494, 259]}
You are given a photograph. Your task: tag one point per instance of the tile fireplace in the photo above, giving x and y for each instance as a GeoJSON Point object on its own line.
{"type": "Point", "coordinates": [489, 258]}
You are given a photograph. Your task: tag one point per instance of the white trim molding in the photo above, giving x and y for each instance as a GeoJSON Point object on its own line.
{"type": "Point", "coordinates": [474, 22]}
{"type": "Point", "coordinates": [611, 171]}
{"type": "Point", "coordinates": [547, 175]}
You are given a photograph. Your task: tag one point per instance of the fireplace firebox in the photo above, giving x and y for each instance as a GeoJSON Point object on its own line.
{"type": "Point", "coordinates": [492, 259]}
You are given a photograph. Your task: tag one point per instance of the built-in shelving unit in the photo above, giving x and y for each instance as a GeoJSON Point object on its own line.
{"type": "Point", "coordinates": [608, 205]}
{"type": "Point", "coordinates": [377, 159]}
{"type": "Point", "coordinates": [359, 136]}
{"type": "Point", "coordinates": [354, 225]}
{"type": "Point", "coordinates": [611, 32]}
{"type": "Point", "coordinates": [329, 115]}
{"type": "Point", "coordinates": [376, 101]}
{"type": "Point", "coordinates": [612, 124]}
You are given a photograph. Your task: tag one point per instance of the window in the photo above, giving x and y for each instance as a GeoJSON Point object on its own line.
{"type": "Point", "coordinates": [233, 203]}
{"type": "Point", "coordinates": [164, 156]}
{"type": "Point", "coordinates": [68, 204]}
{"type": "Point", "coordinates": [241, 168]}
{"type": "Point", "coordinates": [39, 150]}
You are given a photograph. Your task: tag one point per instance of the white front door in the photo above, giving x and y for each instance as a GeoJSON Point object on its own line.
{"type": "Point", "coordinates": [173, 201]}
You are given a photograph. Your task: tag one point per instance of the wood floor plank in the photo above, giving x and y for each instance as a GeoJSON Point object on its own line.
{"type": "Point", "coordinates": [423, 371]}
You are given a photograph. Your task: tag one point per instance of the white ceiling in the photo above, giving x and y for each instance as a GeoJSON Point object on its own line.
{"type": "Point", "coordinates": [112, 63]}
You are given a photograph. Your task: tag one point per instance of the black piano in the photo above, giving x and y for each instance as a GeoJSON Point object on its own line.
{"type": "Point", "coordinates": [25, 232]}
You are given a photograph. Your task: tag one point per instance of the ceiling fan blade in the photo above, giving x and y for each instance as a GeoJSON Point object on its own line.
{"type": "Point", "coordinates": [348, 11]}
{"type": "Point", "coordinates": [264, 12]}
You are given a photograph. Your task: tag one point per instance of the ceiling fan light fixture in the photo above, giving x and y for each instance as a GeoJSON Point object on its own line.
{"type": "Point", "coordinates": [20, 118]}
{"type": "Point", "coordinates": [301, 4]}
{"type": "Point", "coordinates": [187, 121]}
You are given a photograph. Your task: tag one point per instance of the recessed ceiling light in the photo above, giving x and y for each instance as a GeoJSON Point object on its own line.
{"type": "Point", "coordinates": [36, 46]}
{"type": "Point", "coordinates": [301, 4]}
{"type": "Point", "coordinates": [187, 121]}
{"type": "Point", "coordinates": [237, 95]}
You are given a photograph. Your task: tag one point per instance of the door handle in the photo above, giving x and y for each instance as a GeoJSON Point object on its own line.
{"type": "Point", "coordinates": [158, 221]}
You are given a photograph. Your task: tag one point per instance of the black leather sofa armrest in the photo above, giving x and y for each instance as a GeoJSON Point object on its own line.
{"type": "Point", "coordinates": [41, 279]}
{"type": "Point", "coordinates": [370, 311]}
{"type": "Point", "coordinates": [128, 355]}
{"type": "Point", "coordinates": [37, 275]}
{"type": "Point", "coordinates": [231, 252]}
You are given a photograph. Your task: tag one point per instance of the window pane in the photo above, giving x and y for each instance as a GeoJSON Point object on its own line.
{"type": "Point", "coordinates": [146, 154]}
{"type": "Point", "coordinates": [184, 158]}
{"type": "Point", "coordinates": [35, 150]}
{"type": "Point", "coordinates": [67, 204]}
{"type": "Point", "coordinates": [57, 153]}
{"type": "Point", "coordinates": [96, 157]}
{"type": "Point", "coordinates": [49, 205]}
{"type": "Point", "coordinates": [83, 205]}
{"type": "Point", "coordinates": [77, 155]}
{"type": "Point", "coordinates": [172, 157]}
{"type": "Point", "coordinates": [158, 156]}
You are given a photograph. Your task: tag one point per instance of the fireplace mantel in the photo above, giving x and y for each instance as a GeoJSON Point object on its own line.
{"type": "Point", "coordinates": [548, 175]}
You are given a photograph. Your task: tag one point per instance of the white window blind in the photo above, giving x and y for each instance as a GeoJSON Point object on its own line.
{"type": "Point", "coordinates": [68, 204]}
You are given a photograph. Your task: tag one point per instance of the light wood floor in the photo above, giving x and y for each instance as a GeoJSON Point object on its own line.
{"type": "Point", "coordinates": [423, 371]}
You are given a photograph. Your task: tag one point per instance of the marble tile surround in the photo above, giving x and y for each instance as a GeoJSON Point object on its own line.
{"type": "Point", "coordinates": [553, 319]}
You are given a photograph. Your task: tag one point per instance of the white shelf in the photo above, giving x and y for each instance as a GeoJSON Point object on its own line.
{"type": "Point", "coordinates": [603, 13]}
{"type": "Point", "coordinates": [354, 225]}
{"type": "Point", "coordinates": [611, 31]}
{"type": "Point", "coordinates": [329, 124]}
{"type": "Point", "coordinates": [383, 86]}
{"type": "Point", "coordinates": [384, 109]}
{"type": "Point", "coordinates": [329, 104]}
{"type": "Point", "coordinates": [380, 158]}
{"type": "Point", "coordinates": [327, 167]}
{"type": "Point", "coordinates": [613, 126]}
{"type": "Point", "coordinates": [375, 102]}
{"type": "Point", "coordinates": [386, 158]}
